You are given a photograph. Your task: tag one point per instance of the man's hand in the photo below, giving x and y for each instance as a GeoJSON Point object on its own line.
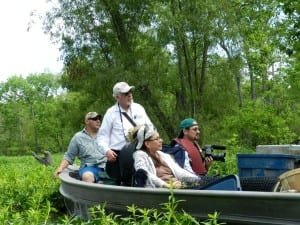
{"type": "Point", "coordinates": [57, 172]}
{"type": "Point", "coordinates": [111, 155]}
{"type": "Point", "coordinates": [208, 162]}
{"type": "Point", "coordinates": [64, 164]}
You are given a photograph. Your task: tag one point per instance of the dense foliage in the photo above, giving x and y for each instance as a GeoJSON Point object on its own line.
{"type": "Point", "coordinates": [233, 65]}
{"type": "Point", "coordinates": [29, 192]}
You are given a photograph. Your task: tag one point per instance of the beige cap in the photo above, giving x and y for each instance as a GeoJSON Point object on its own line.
{"type": "Point", "coordinates": [90, 115]}
{"type": "Point", "coordinates": [121, 87]}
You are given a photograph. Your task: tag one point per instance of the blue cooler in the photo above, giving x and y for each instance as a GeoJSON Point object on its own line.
{"type": "Point", "coordinates": [265, 165]}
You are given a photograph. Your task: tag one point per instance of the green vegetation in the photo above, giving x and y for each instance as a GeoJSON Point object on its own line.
{"type": "Point", "coordinates": [29, 192]}
{"type": "Point", "coordinates": [30, 196]}
{"type": "Point", "coordinates": [231, 64]}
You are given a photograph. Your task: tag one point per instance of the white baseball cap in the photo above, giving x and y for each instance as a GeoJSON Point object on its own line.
{"type": "Point", "coordinates": [121, 87]}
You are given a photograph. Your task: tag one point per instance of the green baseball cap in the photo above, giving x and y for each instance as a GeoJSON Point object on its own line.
{"type": "Point", "coordinates": [188, 122]}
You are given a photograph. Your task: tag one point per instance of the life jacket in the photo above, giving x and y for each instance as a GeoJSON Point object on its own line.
{"type": "Point", "coordinates": [194, 153]}
{"type": "Point", "coordinates": [176, 151]}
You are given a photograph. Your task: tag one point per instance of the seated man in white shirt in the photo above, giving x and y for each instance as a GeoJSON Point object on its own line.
{"type": "Point", "coordinates": [118, 119]}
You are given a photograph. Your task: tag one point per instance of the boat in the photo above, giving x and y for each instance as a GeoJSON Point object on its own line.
{"type": "Point", "coordinates": [235, 207]}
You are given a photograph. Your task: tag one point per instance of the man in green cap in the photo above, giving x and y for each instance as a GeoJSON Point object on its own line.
{"type": "Point", "coordinates": [187, 142]}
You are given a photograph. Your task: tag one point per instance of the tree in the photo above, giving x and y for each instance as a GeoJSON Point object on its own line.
{"type": "Point", "coordinates": [28, 113]}
{"type": "Point", "coordinates": [173, 51]}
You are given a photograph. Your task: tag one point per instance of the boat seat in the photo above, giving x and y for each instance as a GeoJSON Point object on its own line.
{"type": "Point", "coordinates": [227, 183]}
{"type": "Point", "coordinates": [74, 174]}
{"type": "Point", "coordinates": [126, 164]}
{"type": "Point", "coordinates": [261, 184]}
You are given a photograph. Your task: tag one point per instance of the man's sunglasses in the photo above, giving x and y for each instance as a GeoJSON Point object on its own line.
{"type": "Point", "coordinates": [95, 118]}
{"type": "Point", "coordinates": [127, 93]}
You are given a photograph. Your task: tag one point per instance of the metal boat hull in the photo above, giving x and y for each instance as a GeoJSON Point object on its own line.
{"type": "Point", "coordinates": [238, 207]}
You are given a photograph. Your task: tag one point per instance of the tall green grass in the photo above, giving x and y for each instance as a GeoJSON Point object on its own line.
{"type": "Point", "coordinates": [29, 192]}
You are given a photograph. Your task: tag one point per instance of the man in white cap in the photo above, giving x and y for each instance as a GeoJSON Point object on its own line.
{"type": "Point", "coordinates": [84, 146]}
{"type": "Point", "coordinates": [117, 121]}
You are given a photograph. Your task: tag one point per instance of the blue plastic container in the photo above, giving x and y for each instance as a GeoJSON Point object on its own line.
{"type": "Point", "coordinates": [264, 165]}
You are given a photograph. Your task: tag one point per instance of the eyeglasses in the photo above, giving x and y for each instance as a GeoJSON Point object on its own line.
{"type": "Point", "coordinates": [155, 139]}
{"type": "Point", "coordinates": [94, 119]}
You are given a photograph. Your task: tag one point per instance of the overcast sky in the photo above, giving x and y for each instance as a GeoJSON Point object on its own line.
{"type": "Point", "coordinates": [23, 52]}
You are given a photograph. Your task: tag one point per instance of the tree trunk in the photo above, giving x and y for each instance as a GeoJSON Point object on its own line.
{"type": "Point", "coordinates": [252, 88]}
{"type": "Point", "coordinates": [165, 121]}
{"type": "Point", "coordinates": [233, 61]}
{"type": "Point", "coordinates": [35, 133]}
{"type": "Point", "coordinates": [238, 84]}
{"type": "Point", "coordinates": [122, 36]}
{"type": "Point", "coordinates": [203, 70]}
{"type": "Point", "coordinates": [181, 93]}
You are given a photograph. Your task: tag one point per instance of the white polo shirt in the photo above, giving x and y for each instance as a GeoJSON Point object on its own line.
{"type": "Point", "coordinates": [115, 125]}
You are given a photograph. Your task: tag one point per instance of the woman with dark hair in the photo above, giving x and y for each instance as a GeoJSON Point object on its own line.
{"type": "Point", "coordinates": [160, 168]}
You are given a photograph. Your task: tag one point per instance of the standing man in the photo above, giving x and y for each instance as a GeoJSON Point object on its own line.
{"type": "Point", "coordinates": [118, 119]}
{"type": "Point", "coordinates": [187, 141]}
{"type": "Point", "coordinates": [84, 146]}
